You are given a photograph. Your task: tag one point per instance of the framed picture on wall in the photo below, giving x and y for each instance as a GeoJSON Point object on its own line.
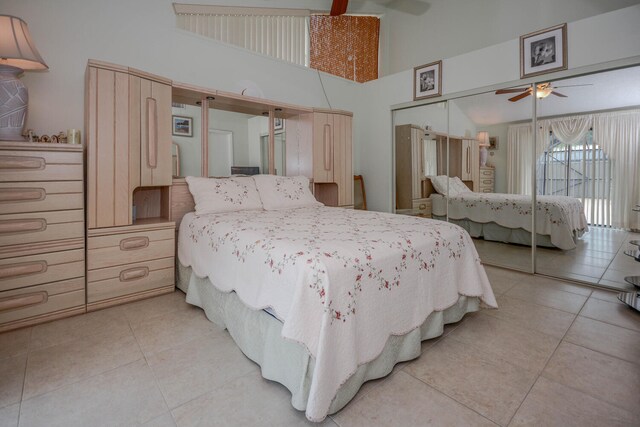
{"type": "Point", "coordinates": [427, 80]}
{"type": "Point", "coordinates": [544, 51]}
{"type": "Point", "coordinates": [181, 126]}
{"type": "Point", "coordinates": [278, 124]}
{"type": "Point", "coordinates": [493, 143]}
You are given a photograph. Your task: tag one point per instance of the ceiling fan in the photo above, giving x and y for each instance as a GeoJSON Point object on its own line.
{"type": "Point", "coordinates": [542, 91]}
{"type": "Point", "coordinates": [412, 7]}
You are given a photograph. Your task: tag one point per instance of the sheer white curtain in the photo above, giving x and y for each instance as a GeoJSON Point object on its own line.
{"type": "Point", "coordinates": [571, 130]}
{"type": "Point", "coordinates": [618, 133]}
{"type": "Point", "coordinates": [519, 140]}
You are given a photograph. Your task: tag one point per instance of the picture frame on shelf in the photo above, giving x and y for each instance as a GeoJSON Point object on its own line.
{"type": "Point", "coordinates": [543, 51]}
{"type": "Point", "coordinates": [427, 81]}
{"type": "Point", "coordinates": [493, 143]}
{"type": "Point", "coordinates": [181, 126]}
{"type": "Point", "coordinates": [278, 124]}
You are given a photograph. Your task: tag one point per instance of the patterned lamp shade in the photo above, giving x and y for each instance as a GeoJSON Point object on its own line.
{"type": "Point", "coordinates": [17, 53]}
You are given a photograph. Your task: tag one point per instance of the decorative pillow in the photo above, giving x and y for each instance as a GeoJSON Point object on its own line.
{"type": "Point", "coordinates": [456, 186]}
{"type": "Point", "coordinates": [215, 195]}
{"type": "Point", "coordinates": [439, 183]}
{"type": "Point", "coordinates": [284, 192]}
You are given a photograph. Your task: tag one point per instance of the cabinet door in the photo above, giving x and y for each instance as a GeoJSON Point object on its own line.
{"type": "Point", "coordinates": [323, 136]}
{"type": "Point", "coordinates": [471, 162]}
{"type": "Point", "coordinates": [417, 163]}
{"type": "Point", "coordinates": [342, 158]}
{"type": "Point", "coordinates": [154, 122]}
{"type": "Point", "coordinates": [107, 128]}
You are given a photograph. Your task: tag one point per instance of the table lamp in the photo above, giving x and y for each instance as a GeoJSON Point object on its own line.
{"type": "Point", "coordinates": [17, 54]}
{"type": "Point", "coordinates": [483, 137]}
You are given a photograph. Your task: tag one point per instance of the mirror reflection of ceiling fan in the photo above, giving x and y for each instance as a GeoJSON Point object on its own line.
{"type": "Point", "coordinates": [543, 90]}
{"type": "Point", "coordinates": [412, 7]}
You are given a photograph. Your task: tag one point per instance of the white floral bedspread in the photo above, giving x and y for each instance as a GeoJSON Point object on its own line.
{"type": "Point", "coordinates": [559, 217]}
{"type": "Point", "coordinates": [342, 281]}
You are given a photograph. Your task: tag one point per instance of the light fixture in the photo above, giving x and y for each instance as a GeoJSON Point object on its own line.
{"type": "Point", "coordinates": [543, 90]}
{"type": "Point", "coordinates": [483, 137]}
{"type": "Point", "coordinates": [17, 54]}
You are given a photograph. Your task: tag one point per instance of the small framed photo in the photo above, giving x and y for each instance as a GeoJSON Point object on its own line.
{"type": "Point", "coordinates": [544, 51]}
{"type": "Point", "coordinates": [278, 124]}
{"type": "Point", "coordinates": [427, 80]}
{"type": "Point", "coordinates": [493, 143]}
{"type": "Point", "coordinates": [181, 126]}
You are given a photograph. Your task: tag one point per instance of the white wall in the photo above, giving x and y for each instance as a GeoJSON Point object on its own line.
{"type": "Point", "coordinates": [607, 37]}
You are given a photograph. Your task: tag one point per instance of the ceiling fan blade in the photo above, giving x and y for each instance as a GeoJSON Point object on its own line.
{"type": "Point", "coordinates": [339, 7]}
{"type": "Point", "coordinates": [585, 84]}
{"type": "Point", "coordinates": [553, 92]}
{"type": "Point", "coordinates": [501, 91]}
{"type": "Point", "coordinates": [519, 97]}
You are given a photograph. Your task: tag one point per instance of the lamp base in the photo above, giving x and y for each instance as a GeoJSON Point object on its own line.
{"type": "Point", "coordinates": [483, 156]}
{"type": "Point", "coordinates": [14, 99]}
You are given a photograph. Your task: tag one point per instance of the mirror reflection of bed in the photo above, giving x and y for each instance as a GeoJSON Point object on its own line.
{"type": "Point", "coordinates": [579, 159]}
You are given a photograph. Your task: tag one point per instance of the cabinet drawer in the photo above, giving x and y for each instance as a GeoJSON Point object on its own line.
{"type": "Point", "coordinates": [17, 197]}
{"type": "Point", "coordinates": [20, 166]}
{"type": "Point", "coordinates": [486, 173]}
{"type": "Point", "coordinates": [421, 207]}
{"type": "Point", "coordinates": [41, 227]}
{"type": "Point", "coordinates": [113, 282]}
{"type": "Point", "coordinates": [33, 270]}
{"type": "Point", "coordinates": [486, 190]}
{"type": "Point", "coordinates": [20, 304]}
{"type": "Point", "coordinates": [126, 248]}
{"type": "Point", "coordinates": [486, 181]}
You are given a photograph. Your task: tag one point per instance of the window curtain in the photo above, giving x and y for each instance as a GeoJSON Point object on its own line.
{"type": "Point", "coordinates": [571, 130]}
{"type": "Point", "coordinates": [519, 140]}
{"type": "Point", "coordinates": [618, 133]}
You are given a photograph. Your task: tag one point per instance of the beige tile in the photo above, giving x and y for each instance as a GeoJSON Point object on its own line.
{"type": "Point", "coordinates": [604, 377]}
{"type": "Point", "coordinates": [618, 275]}
{"type": "Point", "coordinates": [110, 320]}
{"type": "Point", "coordinates": [487, 384]}
{"type": "Point", "coordinates": [13, 343]}
{"type": "Point", "coordinates": [165, 420]}
{"type": "Point", "coordinates": [606, 338]}
{"type": "Point", "coordinates": [141, 311]}
{"type": "Point", "coordinates": [9, 415]}
{"type": "Point", "coordinates": [616, 286]}
{"type": "Point", "coordinates": [552, 404]}
{"type": "Point", "coordinates": [12, 379]}
{"type": "Point", "coordinates": [522, 347]}
{"type": "Point", "coordinates": [611, 296]}
{"type": "Point", "coordinates": [548, 295]}
{"type": "Point", "coordinates": [52, 367]}
{"type": "Point", "coordinates": [532, 316]}
{"type": "Point", "coordinates": [561, 285]}
{"type": "Point", "coordinates": [189, 370]}
{"type": "Point", "coordinates": [406, 401]}
{"type": "Point", "coordinates": [245, 401]}
{"type": "Point", "coordinates": [172, 329]}
{"type": "Point", "coordinates": [611, 312]}
{"type": "Point", "coordinates": [124, 396]}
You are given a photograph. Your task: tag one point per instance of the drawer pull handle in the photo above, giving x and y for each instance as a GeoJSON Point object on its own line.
{"type": "Point", "coordinates": [134, 274]}
{"type": "Point", "coordinates": [422, 206]}
{"type": "Point", "coordinates": [12, 195]}
{"type": "Point", "coordinates": [17, 163]}
{"type": "Point", "coordinates": [16, 226]}
{"type": "Point", "coordinates": [22, 269]}
{"type": "Point", "coordinates": [23, 301]}
{"type": "Point", "coordinates": [133, 243]}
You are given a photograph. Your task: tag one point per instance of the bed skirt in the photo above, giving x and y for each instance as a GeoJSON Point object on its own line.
{"type": "Point", "coordinates": [258, 335]}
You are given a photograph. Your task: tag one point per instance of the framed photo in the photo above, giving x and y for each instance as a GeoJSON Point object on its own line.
{"type": "Point", "coordinates": [544, 51]}
{"type": "Point", "coordinates": [181, 126]}
{"type": "Point", "coordinates": [278, 124]}
{"type": "Point", "coordinates": [493, 143]}
{"type": "Point", "coordinates": [427, 80]}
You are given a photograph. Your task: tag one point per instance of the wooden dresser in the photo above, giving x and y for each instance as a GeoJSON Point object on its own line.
{"type": "Point", "coordinates": [42, 257]}
{"type": "Point", "coordinates": [487, 180]}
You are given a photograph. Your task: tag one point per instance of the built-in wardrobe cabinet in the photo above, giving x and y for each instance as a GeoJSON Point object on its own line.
{"type": "Point", "coordinates": [42, 253]}
{"type": "Point", "coordinates": [130, 241]}
{"type": "Point", "coordinates": [410, 171]}
{"type": "Point", "coordinates": [319, 145]}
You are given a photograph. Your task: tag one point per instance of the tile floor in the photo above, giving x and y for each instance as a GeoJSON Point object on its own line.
{"type": "Point", "coordinates": [553, 354]}
{"type": "Point", "coordinates": [599, 258]}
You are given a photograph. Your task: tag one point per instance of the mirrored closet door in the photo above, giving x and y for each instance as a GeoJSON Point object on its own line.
{"type": "Point", "coordinates": [588, 176]}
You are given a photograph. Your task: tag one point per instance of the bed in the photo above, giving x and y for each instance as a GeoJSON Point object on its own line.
{"type": "Point", "coordinates": [324, 299]}
{"type": "Point", "coordinates": [560, 220]}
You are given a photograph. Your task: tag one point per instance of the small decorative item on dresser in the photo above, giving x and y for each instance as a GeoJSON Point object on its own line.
{"type": "Point", "coordinates": [73, 136]}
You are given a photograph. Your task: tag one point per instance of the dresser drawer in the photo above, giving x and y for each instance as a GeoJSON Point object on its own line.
{"type": "Point", "coordinates": [486, 189]}
{"type": "Point", "coordinates": [421, 207]}
{"type": "Point", "coordinates": [20, 166]}
{"type": "Point", "coordinates": [486, 182]}
{"type": "Point", "coordinates": [125, 248]}
{"type": "Point", "coordinates": [22, 197]}
{"type": "Point", "coordinates": [486, 173]}
{"type": "Point", "coordinates": [16, 306]}
{"type": "Point", "coordinates": [40, 227]}
{"type": "Point", "coordinates": [33, 270]}
{"type": "Point", "coordinates": [114, 282]}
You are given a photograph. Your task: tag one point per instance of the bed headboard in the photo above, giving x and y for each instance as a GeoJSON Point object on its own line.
{"type": "Point", "coordinates": [427, 188]}
{"type": "Point", "coordinates": [181, 201]}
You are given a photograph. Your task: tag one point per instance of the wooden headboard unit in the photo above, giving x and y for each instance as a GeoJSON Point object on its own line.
{"type": "Point", "coordinates": [180, 201]}
{"type": "Point", "coordinates": [427, 188]}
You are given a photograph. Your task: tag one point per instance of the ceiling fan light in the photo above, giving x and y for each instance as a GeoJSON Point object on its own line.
{"type": "Point", "coordinates": [543, 93]}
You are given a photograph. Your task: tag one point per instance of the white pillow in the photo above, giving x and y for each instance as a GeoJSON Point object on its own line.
{"type": "Point", "coordinates": [215, 195]}
{"type": "Point", "coordinates": [284, 192]}
{"type": "Point", "coordinates": [439, 183]}
{"type": "Point", "coordinates": [457, 187]}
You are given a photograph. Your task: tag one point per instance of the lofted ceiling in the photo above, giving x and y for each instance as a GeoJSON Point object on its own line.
{"type": "Point", "coordinates": [608, 90]}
